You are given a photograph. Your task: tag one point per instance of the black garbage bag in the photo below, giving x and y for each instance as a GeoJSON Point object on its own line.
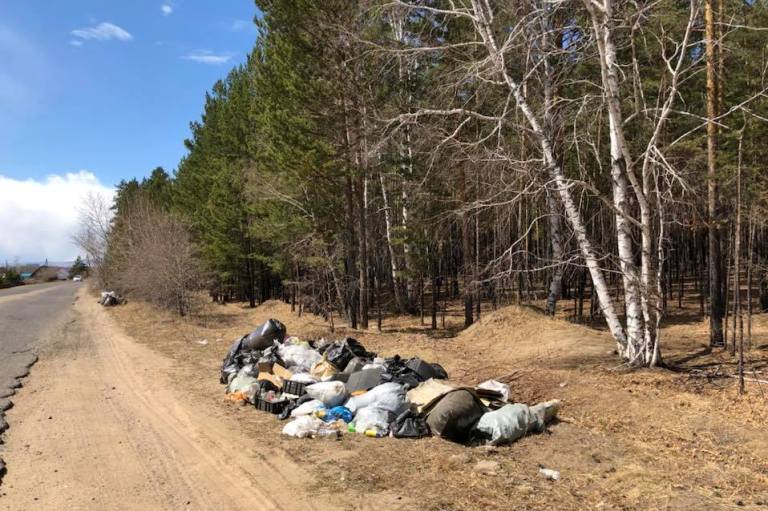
{"type": "Point", "coordinates": [399, 372]}
{"type": "Point", "coordinates": [408, 379]}
{"type": "Point", "coordinates": [339, 354]}
{"type": "Point", "coordinates": [440, 372]}
{"type": "Point", "coordinates": [286, 413]}
{"type": "Point", "coordinates": [231, 364]}
{"type": "Point", "coordinates": [410, 424]}
{"type": "Point", "coordinates": [270, 356]}
{"type": "Point", "coordinates": [264, 336]}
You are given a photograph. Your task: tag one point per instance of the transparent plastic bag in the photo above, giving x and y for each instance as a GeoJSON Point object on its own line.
{"type": "Point", "coordinates": [372, 418]}
{"type": "Point", "coordinates": [299, 358]}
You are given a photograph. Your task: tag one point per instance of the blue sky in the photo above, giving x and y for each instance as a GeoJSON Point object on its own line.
{"type": "Point", "coordinates": [94, 91]}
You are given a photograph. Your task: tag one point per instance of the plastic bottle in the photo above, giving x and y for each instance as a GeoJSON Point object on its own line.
{"type": "Point", "coordinates": [374, 433]}
{"type": "Point", "coordinates": [351, 427]}
{"type": "Point", "coordinates": [328, 433]}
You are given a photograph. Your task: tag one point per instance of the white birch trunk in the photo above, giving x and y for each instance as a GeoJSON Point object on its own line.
{"type": "Point", "coordinates": [482, 20]}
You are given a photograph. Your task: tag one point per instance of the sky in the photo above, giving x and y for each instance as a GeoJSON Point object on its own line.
{"type": "Point", "coordinates": [94, 91]}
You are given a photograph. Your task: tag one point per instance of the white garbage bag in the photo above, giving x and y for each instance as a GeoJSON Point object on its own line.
{"type": "Point", "coordinates": [330, 393]}
{"type": "Point", "coordinates": [389, 396]}
{"type": "Point", "coordinates": [307, 408]}
{"type": "Point", "coordinates": [512, 422]}
{"type": "Point", "coordinates": [303, 427]}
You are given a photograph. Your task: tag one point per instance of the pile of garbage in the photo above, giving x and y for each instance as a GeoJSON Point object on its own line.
{"type": "Point", "coordinates": [328, 388]}
{"type": "Point", "coordinates": [110, 299]}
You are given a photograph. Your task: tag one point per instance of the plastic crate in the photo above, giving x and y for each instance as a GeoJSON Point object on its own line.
{"type": "Point", "coordinates": [294, 387]}
{"type": "Point", "coordinates": [273, 407]}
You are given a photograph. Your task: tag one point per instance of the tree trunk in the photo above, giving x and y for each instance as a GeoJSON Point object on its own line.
{"type": "Point", "coordinates": [716, 307]}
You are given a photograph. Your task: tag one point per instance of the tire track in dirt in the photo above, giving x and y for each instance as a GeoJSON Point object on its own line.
{"type": "Point", "coordinates": [102, 427]}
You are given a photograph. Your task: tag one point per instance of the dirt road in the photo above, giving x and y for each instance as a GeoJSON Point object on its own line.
{"type": "Point", "coordinates": [99, 425]}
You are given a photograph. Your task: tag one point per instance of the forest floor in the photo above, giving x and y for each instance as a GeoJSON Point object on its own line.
{"type": "Point", "coordinates": [647, 439]}
{"type": "Point", "coordinates": [124, 411]}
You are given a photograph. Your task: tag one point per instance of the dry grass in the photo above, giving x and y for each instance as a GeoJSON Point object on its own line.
{"type": "Point", "coordinates": [651, 439]}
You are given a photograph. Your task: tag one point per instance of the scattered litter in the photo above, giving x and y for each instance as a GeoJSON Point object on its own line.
{"type": "Point", "coordinates": [307, 408]}
{"type": "Point", "coordinates": [327, 388]}
{"type": "Point", "coordinates": [551, 475]}
{"type": "Point", "coordinates": [493, 389]}
{"type": "Point", "coordinates": [204, 342]}
{"type": "Point", "coordinates": [307, 426]}
{"type": "Point", "coordinates": [110, 299]}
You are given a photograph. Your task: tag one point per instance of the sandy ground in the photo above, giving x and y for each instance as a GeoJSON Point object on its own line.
{"type": "Point", "coordinates": [649, 439]}
{"type": "Point", "coordinates": [99, 426]}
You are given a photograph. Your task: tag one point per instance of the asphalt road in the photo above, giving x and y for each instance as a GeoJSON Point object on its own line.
{"type": "Point", "coordinates": [28, 315]}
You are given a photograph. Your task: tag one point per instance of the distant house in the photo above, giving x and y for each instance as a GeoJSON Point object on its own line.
{"type": "Point", "coordinates": [25, 275]}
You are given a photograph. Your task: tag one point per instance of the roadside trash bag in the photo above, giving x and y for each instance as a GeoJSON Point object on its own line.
{"type": "Point", "coordinates": [372, 418]}
{"type": "Point", "coordinates": [513, 421]}
{"type": "Point", "coordinates": [427, 392]}
{"type": "Point", "coordinates": [398, 372]}
{"type": "Point", "coordinates": [410, 424]}
{"type": "Point", "coordinates": [270, 356]}
{"type": "Point", "coordinates": [110, 299]}
{"type": "Point", "coordinates": [506, 424]}
{"type": "Point", "coordinates": [324, 370]}
{"type": "Point", "coordinates": [547, 411]}
{"type": "Point", "coordinates": [334, 414]}
{"type": "Point", "coordinates": [355, 364]}
{"type": "Point", "coordinates": [364, 380]}
{"type": "Point", "coordinates": [330, 393]}
{"type": "Point", "coordinates": [424, 370]}
{"type": "Point", "coordinates": [494, 390]}
{"type": "Point", "coordinates": [376, 363]}
{"type": "Point", "coordinates": [454, 415]}
{"type": "Point", "coordinates": [242, 381]}
{"type": "Point", "coordinates": [388, 396]}
{"type": "Point", "coordinates": [289, 408]}
{"type": "Point", "coordinates": [298, 357]}
{"type": "Point", "coordinates": [341, 353]}
{"type": "Point", "coordinates": [307, 408]}
{"type": "Point", "coordinates": [265, 335]}
{"type": "Point", "coordinates": [311, 427]}
{"type": "Point", "coordinates": [303, 427]}
{"type": "Point", "coordinates": [230, 364]}
{"type": "Point", "coordinates": [303, 378]}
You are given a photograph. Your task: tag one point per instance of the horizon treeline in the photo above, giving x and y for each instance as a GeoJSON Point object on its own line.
{"type": "Point", "coordinates": [372, 157]}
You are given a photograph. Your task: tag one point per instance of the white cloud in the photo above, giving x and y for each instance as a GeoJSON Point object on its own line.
{"type": "Point", "coordinates": [39, 217]}
{"type": "Point", "coordinates": [103, 32]}
{"type": "Point", "coordinates": [207, 57]}
{"type": "Point", "coordinates": [167, 9]}
{"type": "Point", "coordinates": [76, 42]}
